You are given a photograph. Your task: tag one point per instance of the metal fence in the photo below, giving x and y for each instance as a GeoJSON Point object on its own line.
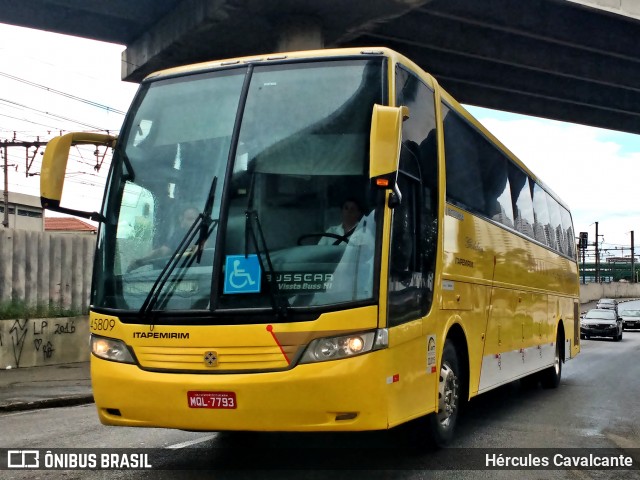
{"type": "Point", "coordinates": [41, 268]}
{"type": "Point", "coordinates": [608, 272]}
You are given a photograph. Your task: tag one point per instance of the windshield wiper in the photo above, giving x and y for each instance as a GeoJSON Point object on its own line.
{"type": "Point", "coordinates": [204, 225]}
{"type": "Point", "coordinates": [207, 222]}
{"type": "Point", "coordinates": [279, 303]}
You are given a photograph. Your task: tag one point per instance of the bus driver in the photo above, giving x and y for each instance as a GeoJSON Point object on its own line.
{"type": "Point", "coordinates": [351, 214]}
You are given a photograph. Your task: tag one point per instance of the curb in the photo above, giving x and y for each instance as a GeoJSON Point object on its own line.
{"type": "Point", "coordinates": [47, 403]}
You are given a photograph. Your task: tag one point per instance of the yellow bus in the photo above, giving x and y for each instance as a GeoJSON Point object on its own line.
{"type": "Point", "coordinates": [317, 241]}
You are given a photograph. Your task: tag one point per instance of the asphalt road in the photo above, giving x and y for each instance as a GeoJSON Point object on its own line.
{"type": "Point", "coordinates": [596, 406]}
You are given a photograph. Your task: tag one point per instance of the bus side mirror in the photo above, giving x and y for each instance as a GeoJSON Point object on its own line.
{"type": "Point", "coordinates": [54, 166]}
{"type": "Point", "coordinates": [384, 152]}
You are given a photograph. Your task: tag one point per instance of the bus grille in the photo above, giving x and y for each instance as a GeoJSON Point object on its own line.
{"type": "Point", "coordinates": [215, 360]}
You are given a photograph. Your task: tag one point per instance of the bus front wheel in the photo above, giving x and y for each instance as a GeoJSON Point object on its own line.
{"type": "Point", "coordinates": [441, 424]}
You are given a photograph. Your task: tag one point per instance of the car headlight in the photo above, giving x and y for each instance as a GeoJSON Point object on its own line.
{"type": "Point", "coordinates": [111, 349]}
{"type": "Point", "coordinates": [334, 348]}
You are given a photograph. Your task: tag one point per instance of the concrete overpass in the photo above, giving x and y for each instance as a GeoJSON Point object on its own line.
{"type": "Point", "coordinates": [571, 60]}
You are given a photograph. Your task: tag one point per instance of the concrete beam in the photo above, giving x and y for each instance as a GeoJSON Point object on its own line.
{"type": "Point", "coordinates": [199, 30]}
{"type": "Point", "coordinates": [149, 52]}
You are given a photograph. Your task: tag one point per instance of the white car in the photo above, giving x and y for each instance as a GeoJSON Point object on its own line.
{"type": "Point", "coordinates": [630, 318]}
{"type": "Point", "coordinates": [607, 303]}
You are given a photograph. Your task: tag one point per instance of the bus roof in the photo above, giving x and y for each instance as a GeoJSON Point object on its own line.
{"type": "Point", "coordinates": [274, 57]}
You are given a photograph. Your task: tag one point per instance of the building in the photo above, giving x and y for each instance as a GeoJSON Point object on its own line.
{"type": "Point", "coordinates": [68, 226]}
{"type": "Point", "coordinates": [621, 259]}
{"type": "Point", "coordinates": [21, 212]}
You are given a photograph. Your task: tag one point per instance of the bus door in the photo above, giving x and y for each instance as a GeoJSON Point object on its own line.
{"type": "Point", "coordinates": [412, 254]}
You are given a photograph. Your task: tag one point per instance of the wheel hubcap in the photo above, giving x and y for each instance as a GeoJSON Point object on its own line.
{"type": "Point", "coordinates": [447, 395]}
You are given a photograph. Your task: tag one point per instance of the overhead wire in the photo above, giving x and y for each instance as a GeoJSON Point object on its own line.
{"type": "Point", "coordinates": [28, 121]}
{"type": "Point", "coordinates": [64, 94]}
{"type": "Point", "coordinates": [11, 102]}
{"type": "Point", "coordinates": [11, 132]}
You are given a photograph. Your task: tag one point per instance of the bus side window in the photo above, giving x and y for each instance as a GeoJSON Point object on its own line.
{"type": "Point", "coordinates": [419, 185]}
{"type": "Point", "coordinates": [521, 200]}
{"type": "Point", "coordinates": [465, 182]}
{"type": "Point", "coordinates": [429, 212]}
{"type": "Point", "coordinates": [406, 285]}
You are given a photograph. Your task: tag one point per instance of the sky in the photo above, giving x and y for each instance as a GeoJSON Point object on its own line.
{"type": "Point", "coordinates": [52, 84]}
{"type": "Point", "coordinates": [41, 74]}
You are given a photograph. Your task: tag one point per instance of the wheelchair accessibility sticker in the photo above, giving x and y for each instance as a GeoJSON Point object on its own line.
{"type": "Point", "coordinates": [242, 274]}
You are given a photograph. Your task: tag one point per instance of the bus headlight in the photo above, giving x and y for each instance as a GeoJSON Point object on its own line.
{"type": "Point", "coordinates": [334, 348]}
{"type": "Point", "coordinates": [110, 349]}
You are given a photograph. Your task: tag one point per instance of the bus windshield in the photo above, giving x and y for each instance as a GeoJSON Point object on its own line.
{"type": "Point", "coordinates": [243, 188]}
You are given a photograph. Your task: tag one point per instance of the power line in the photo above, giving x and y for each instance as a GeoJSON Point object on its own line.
{"type": "Point", "coordinates": [29, 121]}
{"type": "Point", "coordinates": [50, 114]}
{"type": "Point", "coordinates": [64, 94]}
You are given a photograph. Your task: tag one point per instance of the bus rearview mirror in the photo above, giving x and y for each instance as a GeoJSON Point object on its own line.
{"type": "Point", "coordinates": [54, 166]}
{"type": "Point", "coordinates": [385, 143]}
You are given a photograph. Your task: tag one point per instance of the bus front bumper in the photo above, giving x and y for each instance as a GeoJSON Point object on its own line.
{"type": "Point", "coordinates": [341, 395]}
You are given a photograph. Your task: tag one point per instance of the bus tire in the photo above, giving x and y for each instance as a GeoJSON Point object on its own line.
{"type": "Point", "coordinates": [550, 378]}
{"type": "Point", "coordinates": [441, 424]}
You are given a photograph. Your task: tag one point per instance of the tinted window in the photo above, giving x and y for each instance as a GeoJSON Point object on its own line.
{"type": "Point", "coordinates": [522, 202]}
{"type": "Point", "coordinates": [464, 173]}
{"type": "Point", "coordinates": [557, 232]}
{"type": "Point", "coordinates": [414, 229]}
{"type": "Point", "coordinates": [477, 176]}
{"type": "Point", "coordinates": [481, 178]}
{"type": "Point", "coordinates": [567, 225]}
{"type": "Point", "coordinates": [555, 225]}
{"type": "Point", "coordinates": [497, 190]}
{"type": "Point", "coordinates": [540, 215]}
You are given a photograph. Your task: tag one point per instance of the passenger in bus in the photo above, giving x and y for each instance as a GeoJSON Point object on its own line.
{"type": "Point", "coordinates": [186, 219]}
{"type": "Point", "coordinates": [351, 213]}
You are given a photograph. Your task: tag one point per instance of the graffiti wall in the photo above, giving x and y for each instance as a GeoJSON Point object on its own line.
{"type": "Point", "coordinates": [41, 268]}
{"type": "Point", "coordinates": [43, 341]}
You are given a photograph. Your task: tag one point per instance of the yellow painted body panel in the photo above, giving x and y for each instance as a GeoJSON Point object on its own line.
{"type": "Point", "coordinates": [306, 398]}
{"type": "Point", "coordinates": [520, 291]}
{"type": "Point", "coordinates": [238, 347]}
{"type": "Point", "coordinates": [412, 395]}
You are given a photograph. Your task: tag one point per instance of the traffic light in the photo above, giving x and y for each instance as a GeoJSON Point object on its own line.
{"type": "Point", "coordinates": [584, 240]}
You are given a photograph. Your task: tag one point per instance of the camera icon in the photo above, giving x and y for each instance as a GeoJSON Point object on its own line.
{"type": "Point", "coordinates": [23, 459]}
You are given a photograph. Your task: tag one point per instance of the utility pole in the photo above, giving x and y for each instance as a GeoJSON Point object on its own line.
{"type": "Point", "coordinates": [28, 163]}
{"type": "Point", "coordinates": [26, 145]}
{"type": "Point", "coordinates": [633, 261]}
{"type": "Point", "coordinates": [597, 257]}
{"type": "Point", "coordinates": [5, 222]}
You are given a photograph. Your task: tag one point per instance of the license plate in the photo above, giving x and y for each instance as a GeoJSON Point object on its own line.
{"type": "Point", "coordinates": [212, 400]}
